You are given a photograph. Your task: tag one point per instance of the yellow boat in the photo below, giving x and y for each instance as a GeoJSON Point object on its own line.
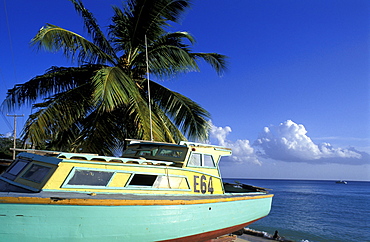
{"type": "Point", "coordinates": [154, 192]}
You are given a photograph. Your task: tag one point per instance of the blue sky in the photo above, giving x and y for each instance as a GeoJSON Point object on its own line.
{"type": "Point", "coordinates": [294, 103]}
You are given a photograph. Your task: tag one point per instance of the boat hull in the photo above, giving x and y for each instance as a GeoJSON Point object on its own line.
{"type": "Point", "coordinates": [81, 219]}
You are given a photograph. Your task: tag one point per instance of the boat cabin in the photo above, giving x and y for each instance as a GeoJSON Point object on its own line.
{"type": "Point", "coordinates": [144, 167]}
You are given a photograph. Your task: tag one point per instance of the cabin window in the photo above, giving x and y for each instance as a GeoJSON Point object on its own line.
{"type": "Point", "coordinates": [143, 180]}
{"type": "Point", "coordinates": [170, 153]}
{"type": "Point", "coordinates": [208, 161]}
{"type": "Point", "coordinates": [154, 152]}
{"type": "Point", "coordinates": [90, 178]}
{"type": "Point", "coordinates": [129, 152]}
{"type": "Point", "coordinates": [166, 182]}
{"type": "Point", "coordinates": [201, 160]}
{"type": "Point", "coordinates": [195, 160]}
{"type": "Point", "coordinates": [36, 173]}
{"type": "Point", "coordinates": [17, 167]}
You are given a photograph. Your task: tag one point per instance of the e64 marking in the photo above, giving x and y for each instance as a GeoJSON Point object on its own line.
{"type": "Point", "coordinates": [202, 185]}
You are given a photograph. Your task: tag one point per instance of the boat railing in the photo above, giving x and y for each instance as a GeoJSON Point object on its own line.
{"type": "Point", "coordinates": [182, 143]}
{"type": "Point", "coordinates": [46, 152]}
{"type": "Point", "coordinates": [97, 158]}
{"type": "Point", "coordinates": [201, 145]}
{"type": "Point", "coordinates": [140, 161]}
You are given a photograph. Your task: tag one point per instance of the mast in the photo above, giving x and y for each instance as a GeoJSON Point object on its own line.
{"type": "Point", "coordinates": [149, 97]}
{"type": "Point", "coordinates": [15, 131]}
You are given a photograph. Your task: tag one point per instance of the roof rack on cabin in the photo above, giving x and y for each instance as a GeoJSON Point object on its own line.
{"type": "Point", "coordinates": [217, 147]}
{"type": "Point", "coordinates": [45, 152]}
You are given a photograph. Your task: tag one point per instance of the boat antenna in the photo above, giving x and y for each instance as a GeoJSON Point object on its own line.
{"type": "Point", "coordinates": [149, 97]}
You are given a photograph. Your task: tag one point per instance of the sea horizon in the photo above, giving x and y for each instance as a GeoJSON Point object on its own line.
{"type": "Point", "coordinates": [315, 210]}
{"type": "Point", "coordinates": [296, 179]}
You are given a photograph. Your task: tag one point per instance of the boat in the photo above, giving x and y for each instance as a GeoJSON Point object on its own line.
{"type": "Point", "coordinates": [341, 182]}
{"type": "Point", "coordinates": [153, 192]}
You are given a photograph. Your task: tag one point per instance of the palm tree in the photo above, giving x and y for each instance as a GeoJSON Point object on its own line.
{"type": "Point", "coordinates": [95, 106]}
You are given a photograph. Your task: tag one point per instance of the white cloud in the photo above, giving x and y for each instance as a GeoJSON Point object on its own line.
{"type": "Point", "coordinates": [286, 142]}
{"type": "Point", "coordinates": [242, 150]}
{"type": "Point", "coordinates": [289, 142]}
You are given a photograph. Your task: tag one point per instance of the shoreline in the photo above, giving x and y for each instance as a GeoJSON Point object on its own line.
{"type": "Point", "coordinates": [252, 235]}
{"type": "Point", "coordinates": [251, 238]}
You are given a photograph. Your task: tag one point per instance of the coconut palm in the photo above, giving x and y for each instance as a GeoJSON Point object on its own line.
{"type": "Point", "coordinates": [95, 106]}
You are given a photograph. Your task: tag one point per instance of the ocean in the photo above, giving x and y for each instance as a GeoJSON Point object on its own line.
{"type": "Point", "coordinates": [316, 211]}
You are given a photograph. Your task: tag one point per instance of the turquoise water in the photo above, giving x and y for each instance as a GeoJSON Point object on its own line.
{"type": "Point", "coordinates": [314, 211]}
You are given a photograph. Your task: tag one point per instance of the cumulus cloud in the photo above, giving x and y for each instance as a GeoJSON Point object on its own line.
{"type": "Point", "coordinates": [289, 142]}
{"type": "Point", "coordinates": [242, 150]}
{"type": "Point", "coordinates": [286, 142]}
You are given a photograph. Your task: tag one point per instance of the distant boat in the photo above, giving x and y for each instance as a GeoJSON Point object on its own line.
{"type": "Point", "coordinates": [341, 182]}
{"type": "Point", "coordinates": [154, 192]}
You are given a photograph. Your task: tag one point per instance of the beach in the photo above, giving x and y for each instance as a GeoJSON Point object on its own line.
{"type": "Point", "coordinates": [251, 238]}
{"type": "Point", "coordinates": [241, 238]}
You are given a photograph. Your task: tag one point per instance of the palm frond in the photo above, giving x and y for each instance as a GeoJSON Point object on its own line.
{"type": "Point", "coordinates": [55, 80]}
{"type": "Point", "coordinates": [191, 118]}
{"type": "Point", "coordinates": [100, 133]}
{"type": "Point", "coordinates": [58, 115]}
{"type": "Point", "coordinates": [217, 61]}
{"type": "Point", "coordinates": [113, 88]}
{"type": "Point", "coordinates": [176, 39]}
{"type": "Point", "coordinates": [169, 131]}
{"type": "Point", "coordinates": [169, 55]}
{"type": "Point", "coordinates": [167, 61]}
{"type": "Point", "coordinates": [145, 18]}
{"type": "Point", "coordinates": [93, 29]}
{"type": "Point", "coordinates": [54, 38]}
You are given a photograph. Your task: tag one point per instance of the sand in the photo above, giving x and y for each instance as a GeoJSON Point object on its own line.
{"type": "Point", "coordinates": [251, 238]}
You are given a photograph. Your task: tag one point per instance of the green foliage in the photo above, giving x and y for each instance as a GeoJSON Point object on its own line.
{"type": "Point", "coordinates": [5, 145]}
{"type": "Point", "coordinates": [94, 107]}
